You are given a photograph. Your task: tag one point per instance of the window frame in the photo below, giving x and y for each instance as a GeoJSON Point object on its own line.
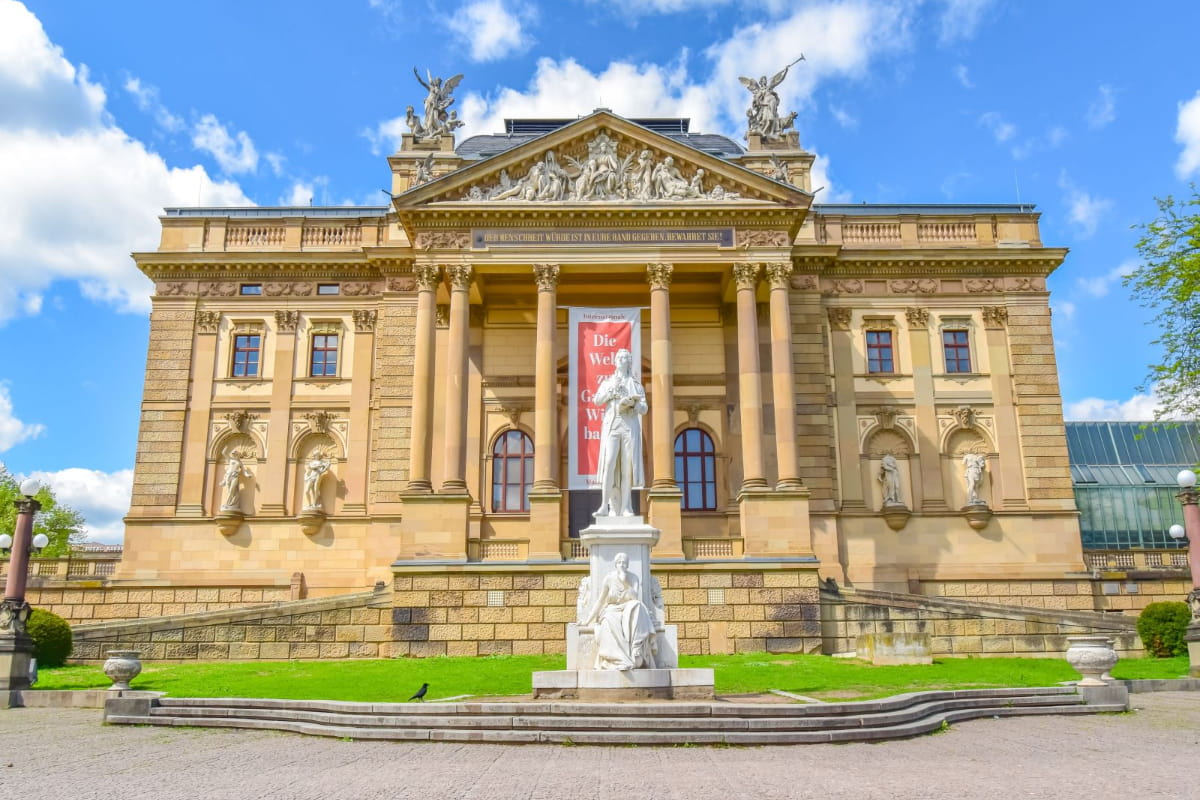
{"type": "Point", "coordinates": [877, 330]}
{"type": "Point", "coordinates": [959, 323]}
{"type": "Point", "coordinates": [959, 348]}
{"type": "Point", "coordinates": [683, 454]}
{"type": "Point", "coordinates": [501, 456]}
{"type": "Point", "coordinates": [246, 328]}
{"type": "Point", "coordinates": [250, 290]}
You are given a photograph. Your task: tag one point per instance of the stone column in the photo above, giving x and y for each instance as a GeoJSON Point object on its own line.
{"type": "Point", "coordinates": [422, 397]}
{"type": "Point", "coordinates": [933, 492]}
{"type": "Point", "coordinates": [662, 411]}
{"type": "Point", "coordinates": [456, 380]}
{"type": "Point", "coordinates": [191, 499]}
{"type": "Point", "coordinates": [1012, 483]}
{"type": "Point", "coordinates": [749, 380]}
{"type": "Point", "coordinates": [783, 379]}
{"type": "Point", "coordinates": [664, 498]}
{"type": "Point", "coordinates": [274, 476]}
{"type": "Point", "coordinates": [545, 417]}
{"type": "Point", "coordinates": [545, 499]}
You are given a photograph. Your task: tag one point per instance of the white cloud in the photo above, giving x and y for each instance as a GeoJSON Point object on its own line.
{"type": "Point", "coordinates": [308, 192]}
{"type": "Point", "coordinates": [493, 29]}
{"type": "Point", "coordinates": [1139, 408]}
{"type": "Point", "coordinates": [1099, 286]}
{"type": "Point", "coordinates": [102, 498]}
{"type": "Point", "coordinates": [821, 181]}
{"type": "Point", "coordinates": [964, 76]}
{"type": "Point", "coordinates": [843, 117]}
{"type": "Point", "coordinates": [961, 19]}
{"type": "Point", "coordinates": [1056, 135]}
{"type": "Point", "coordinates": [1187, 133]}
{"type": "Point", "coordinates": [1001, 129]}
{"type": "Point", "coordinates": [1083, 209]}
{"type": "Point", "coordinates": [146, 97]}
{"type": "Point", "coordinates": [12, 430]}
{"type": "Point", "coordinates": [55, 139]}
{"type": "Point", "coordinates": [234, 154]}
{"type": "Point", "coordinates": [1103, 110]}
{"type": "Point", "coordinates": [1064, 309]}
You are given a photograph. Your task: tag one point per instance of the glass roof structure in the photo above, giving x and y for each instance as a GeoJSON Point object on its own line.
{"type": "Point", "coordinates": [1124, 477]}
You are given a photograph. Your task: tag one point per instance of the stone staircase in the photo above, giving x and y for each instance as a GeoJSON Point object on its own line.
{"type": "Point", "coordinates": [610, 723]}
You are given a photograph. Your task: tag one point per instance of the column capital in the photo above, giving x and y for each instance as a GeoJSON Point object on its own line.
{"type": "Point", "coordinates": [427, 276]}
{"type": "Point", "coordinates": [917, 317]}
{"type": "Point", "coordinates": [460, 276]}
{"type": "Point", "coordinates": [659, 275]}
{"type": "Point", "coordinates": [546, 276]}
{"type": "Point", "coordinates": [778, 273]}
{"type": "Point", "coordinates": [745, 274]}
{"type": "Point", "coordinates": [1188, 497]}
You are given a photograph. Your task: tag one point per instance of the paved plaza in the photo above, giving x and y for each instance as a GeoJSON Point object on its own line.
{"type": "Point", "coordinates": [50, 753]}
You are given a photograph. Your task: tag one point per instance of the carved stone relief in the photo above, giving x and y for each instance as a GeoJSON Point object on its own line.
{"type": "Point", "coordinates": [406, 283]}
{"type": "Point", "coordinates": [546, 277]}
{"type": "Point", "coordinates": [917, 317]}
{"type": "Point", "coordinates": [359, 288]}
{"type": "Point", "coordinates": [804, 282]}
{"type": "Point", "coordinates": [844, 286]}
{"type": "Point", "coordinates": [208, 321]}
{"type": "Point", "coordinates": [287, 321]}
{"type": "Point", "coordinates": [172, 288]}
{"type": "Point", "coordinates": [443, 240]}
{"type": "Point", "coordinates": [756, 238]}
{"type": "Point", "coordinates": [980, 285]}
{"type": "Point", "coordinates": [914, 286]}
{"type": "Point", "coordinates": [288, 289]}
{"type": "Point", "coordinates": [778, 273]}
{"type": "Point", "coordinates": [218, 289]}
{"type": "Point", "coordinates": [995, 316]}
{"type": "Point", "coordinates": [604, 174]}
{"type": "Point", "coordinates": [839, 318]}
{"type": "Point", "coordinates": [364, 320]}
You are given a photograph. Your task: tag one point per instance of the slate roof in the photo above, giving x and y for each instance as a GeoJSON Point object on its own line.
{"type": "Point", "coordinates": [519, 131]}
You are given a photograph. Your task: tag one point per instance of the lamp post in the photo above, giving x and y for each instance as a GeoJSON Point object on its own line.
{"type": "Point", "coordinates": [1189, 498]}
{"type": "Point", "coordinates": [16, 648]}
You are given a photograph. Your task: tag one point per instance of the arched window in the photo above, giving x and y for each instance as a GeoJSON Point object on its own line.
{"type": "Point", "coordinates": [512, 472]}
{"type": "Point", "coordinates": [696, 470]}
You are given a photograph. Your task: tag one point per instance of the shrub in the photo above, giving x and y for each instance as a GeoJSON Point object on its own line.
{"type": "Point", "coordinates": [51, 638]}
{"type": "Point", "coordinates": [1162, 627]}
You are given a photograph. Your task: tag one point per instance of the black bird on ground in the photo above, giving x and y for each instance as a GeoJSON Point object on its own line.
{"type": "Point", "coordinates": [420, 695]}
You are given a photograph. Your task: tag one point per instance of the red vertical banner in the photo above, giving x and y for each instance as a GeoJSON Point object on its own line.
{"type": "Point", "coordinates": [596, 334]}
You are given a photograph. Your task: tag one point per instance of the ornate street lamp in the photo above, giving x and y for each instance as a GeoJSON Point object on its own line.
{"type": "Point", "coordinates": [16, 648]}
{"type": "Point", "coordinates": [1189, 498]}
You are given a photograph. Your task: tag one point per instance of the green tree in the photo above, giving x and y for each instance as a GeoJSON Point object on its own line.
{"type": "Point", "coordinates": [62, 524]}
{"type": "Point", "coordinates": [1168, 282]}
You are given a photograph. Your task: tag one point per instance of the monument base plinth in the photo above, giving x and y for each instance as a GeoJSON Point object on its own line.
{"type": "Point", "coordinates": [596, 685]}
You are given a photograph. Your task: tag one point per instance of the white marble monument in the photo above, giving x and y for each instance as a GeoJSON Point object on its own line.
{"type": "Point", "coordinates": [619, 646]}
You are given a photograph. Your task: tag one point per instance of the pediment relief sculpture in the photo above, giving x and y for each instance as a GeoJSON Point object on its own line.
{"type": "Point", "coordinates": [604, 174]}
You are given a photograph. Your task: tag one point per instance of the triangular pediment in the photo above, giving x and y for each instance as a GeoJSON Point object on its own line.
{"type": "Point", "coordinates": [603, 159]}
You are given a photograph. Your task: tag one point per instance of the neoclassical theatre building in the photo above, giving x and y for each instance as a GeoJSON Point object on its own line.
{"type": "Point", "coordinates": [864, 393]}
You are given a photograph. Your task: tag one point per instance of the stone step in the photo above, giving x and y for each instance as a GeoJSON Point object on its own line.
{"type": "Point", "coordinates": [614, 723]}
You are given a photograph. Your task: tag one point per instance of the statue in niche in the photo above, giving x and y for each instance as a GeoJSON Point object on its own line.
{"type": "Point", "coordinates": [762, 117]}
{"type": "Point", "coordinates": [974, 465]}
{"type": "Point", "coordinates": [624, 627]}
{"type": "Point", "coordinates": [317, 467]}
{"type": "Point", "coordinates": [232, 482]}
{"type": "Point", "coordinates": [889, 476]}
{"type": "Point", "coordinates": [620, 463]}
{"type": "Point", "coordinates": [437, 120]}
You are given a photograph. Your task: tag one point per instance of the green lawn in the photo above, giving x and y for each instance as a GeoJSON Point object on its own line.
{"type": "Point", "coordinates": [395, 680]}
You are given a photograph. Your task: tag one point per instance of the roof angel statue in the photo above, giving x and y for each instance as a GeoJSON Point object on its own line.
{"type": "Point", "coordinates": [763, 115]}
{"type": "Point", "coordinates": [436, 120]}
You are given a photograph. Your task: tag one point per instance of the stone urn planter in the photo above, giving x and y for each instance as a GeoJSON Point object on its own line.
{"type": "Point", "coordinates": [122, 666]}
{"type": "Point", "coordinates": [1092, 657]}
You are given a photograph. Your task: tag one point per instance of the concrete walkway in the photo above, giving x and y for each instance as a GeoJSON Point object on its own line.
{"type": "Point", "coordinates": [55, 754]}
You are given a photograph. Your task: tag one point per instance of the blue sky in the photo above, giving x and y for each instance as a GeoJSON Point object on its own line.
{"type": "Point", "coordinates": [110, 111]}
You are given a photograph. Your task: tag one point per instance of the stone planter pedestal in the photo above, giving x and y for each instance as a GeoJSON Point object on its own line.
{"type": "Point", "coordinates": [1091, 657]}
{"type": "Point", "coordinates": [122, 666]}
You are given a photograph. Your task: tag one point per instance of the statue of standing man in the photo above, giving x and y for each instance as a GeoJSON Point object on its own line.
{"type": "Point", "coordinates": [624, 401]}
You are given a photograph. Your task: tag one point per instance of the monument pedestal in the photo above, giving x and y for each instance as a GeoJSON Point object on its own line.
{"type": "Point", "coordinates": [606, 539]}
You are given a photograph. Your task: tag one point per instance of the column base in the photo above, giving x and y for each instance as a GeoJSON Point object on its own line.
{"type": "Point", "coordinates": [419, 487]}
{"type": "Point", "coordinates": [775, 523]}
{"type": "Point", "coordinates": [453, 487]}
{"type": "Point", "coordinates": [434, 527]}
{"type": "Point", "coordinates": [16, 652]}
{"type": "Point", "coordinates": [664, 513]}
{"type": "Point", "coordinates": [545, 524]}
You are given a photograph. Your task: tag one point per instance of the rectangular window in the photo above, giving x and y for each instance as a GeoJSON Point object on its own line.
{"type": "Point", "coordinates": [251, 289]}
{"type": "Point", "coordinates": [879, 352]}
{"type": "Point", "coordinates": [246, 350]}
{"type": "Point", "coordinates": [328, 288]}
{"type": "Point", "coordinates": [958, 350]}
{"type": "Point", "coordinates": [324, 355]}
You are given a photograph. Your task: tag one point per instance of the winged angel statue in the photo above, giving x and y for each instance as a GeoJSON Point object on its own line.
{"type": "Point", "coordinates": [437, 119]}
{"type": "Point", "coordinates": [763, 117]}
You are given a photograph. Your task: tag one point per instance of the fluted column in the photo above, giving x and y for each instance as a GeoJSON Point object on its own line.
{"type": "Point", "coordinates": [455, 481]}
{"type": "Point", "coordinates": [420, 454]}
{"type": "Point", "coordinates": [783, 375]}
{"type": "Point", "coordinates": [545, 417]}
{"type": "Point", "coordinates": [749, 379]}
{"type": "Point", "coordinates": [662, 417]}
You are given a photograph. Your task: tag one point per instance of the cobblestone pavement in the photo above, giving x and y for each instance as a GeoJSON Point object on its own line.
{"type": "Point", "coordinates": [52, 753]}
